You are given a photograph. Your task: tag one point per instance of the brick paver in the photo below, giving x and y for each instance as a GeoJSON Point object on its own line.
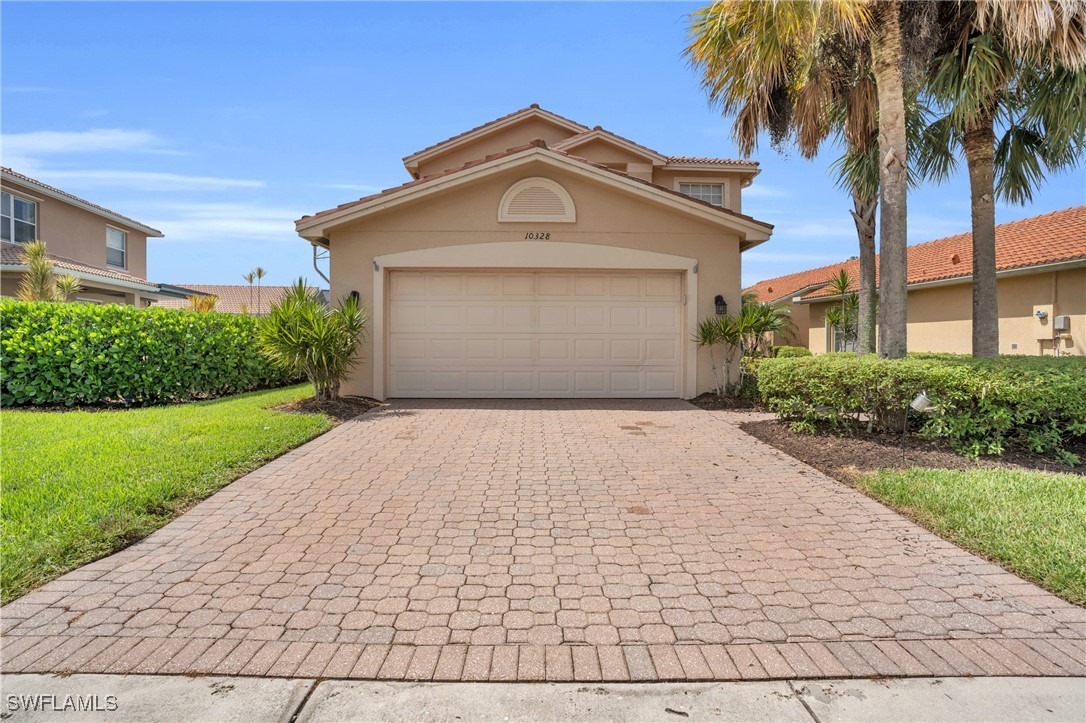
{"type": "Point", "coordinates": [532, 540]}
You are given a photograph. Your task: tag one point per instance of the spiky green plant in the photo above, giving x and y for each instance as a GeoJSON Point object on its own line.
{"type": "Point", "coordinates": [302, 334]}
{"type": "Point", "coordinates": [39, 283]}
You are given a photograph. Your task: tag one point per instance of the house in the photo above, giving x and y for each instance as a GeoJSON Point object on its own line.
{"type": "Point", "coordinates": [237, 298]}
{"type": "Point", "coordinates": [534, 256]}
{"type": "Point", "coordinates": [1040, 282]}
{"type": "Point", "coordinates": [106, 251]}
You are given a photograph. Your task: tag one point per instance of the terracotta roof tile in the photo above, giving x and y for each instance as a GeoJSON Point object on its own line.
{"type": "Point", "coordinates": [788, 286]}
{"type": "Point", "coordinates": [233, 299]}
{"type": "Point", "coordinates": [19, 177]}
{"type": "Point", "coordinates": [703, 161]}
{"type": "Point", "coordinates": [537, 143]}
{"type": "Point", "coordinates": [1050, 238]}
{"type": "Point", "coordinates": [575, 140]}
{"type": "Point", "coordinates": [10, 256]}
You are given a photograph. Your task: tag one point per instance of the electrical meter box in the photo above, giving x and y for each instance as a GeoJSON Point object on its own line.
{"type": "Point", "coordinates": [1061, 324]}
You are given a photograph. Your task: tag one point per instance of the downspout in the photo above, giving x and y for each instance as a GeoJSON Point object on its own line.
{"type": "Point", "coordinates": [316, 257]}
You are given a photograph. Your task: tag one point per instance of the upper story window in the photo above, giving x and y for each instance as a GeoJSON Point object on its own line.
{"type": "Point", "coordinates": [709, 192]}
{"type": "Point", "coordinates": [116, 247]}
{"type": "Point", "coordinates": [18, 219]}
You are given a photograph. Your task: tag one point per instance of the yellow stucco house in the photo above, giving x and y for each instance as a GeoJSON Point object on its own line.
{"type": "Point", "coordinates": [1040, 280]}
{"type": "Point", "coordinates": [534, 256]}
{"type": "Point", "coordinates": [106, 251]}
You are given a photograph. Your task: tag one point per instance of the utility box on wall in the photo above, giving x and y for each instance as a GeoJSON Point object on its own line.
{"type": "Point", "coordinates": [1061, 324]}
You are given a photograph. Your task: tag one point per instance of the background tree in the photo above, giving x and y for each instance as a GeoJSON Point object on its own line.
{"type": "Point", "coordinates": [260, 273]}
{"type": "Point", "coordinates": [1011, 78]}
{"type": "Point", "coordinates": [202, 304]}
{"type": "Point", "coordinates": [775, 66]}
{"type": "Point", "coordinates": [249, 279]}
{"type": "Point", "coordinates": [38, 282]}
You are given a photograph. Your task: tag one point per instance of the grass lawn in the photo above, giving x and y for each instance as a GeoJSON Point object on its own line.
{"type": "Point", "coordinates": [1033, 523]}
{"type": "Point", "coordinates": [80, 485]}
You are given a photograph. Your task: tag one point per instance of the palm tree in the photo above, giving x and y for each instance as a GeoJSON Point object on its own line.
{"type": "Point", "coordinates": [250, 278]}
{"type": "Point", "coordinates": [767, 64]}
{"type": "Point", "coordinates": [260, 273]}
{"type": "Point", "coordinates": [1020, 69]}
{"type": "Point", "coordinates": [38, 282]}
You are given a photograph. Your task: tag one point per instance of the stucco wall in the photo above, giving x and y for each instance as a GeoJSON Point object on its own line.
{"type": "Point", "coordinates": [468, 215]}
{"type": "Point", "coordinates": [940, 317]}
{"type": "Point", "coordinates": [497, 142]}
{"type": "Point", "coordinates": [9, 286]}
{"type": "Point", "coordinates": [80, 235]}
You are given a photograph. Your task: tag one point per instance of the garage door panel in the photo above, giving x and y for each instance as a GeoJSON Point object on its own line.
{"type": "Point", "coordinates": [545, 334]}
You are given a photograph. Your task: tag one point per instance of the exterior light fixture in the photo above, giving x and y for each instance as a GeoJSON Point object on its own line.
{"type": "Point", "coordinates": [921, 403]}
{"type": "Point", "coordinates": [721, 305]}
{"type": "Point", "coordinates": [355, 295]}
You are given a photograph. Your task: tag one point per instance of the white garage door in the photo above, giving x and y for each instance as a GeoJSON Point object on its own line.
{"type": "Point", "coordinates": [535, 334]}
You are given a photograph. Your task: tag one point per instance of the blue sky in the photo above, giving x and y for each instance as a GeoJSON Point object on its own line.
{"type": "Point", "coordinates": [222, 123]}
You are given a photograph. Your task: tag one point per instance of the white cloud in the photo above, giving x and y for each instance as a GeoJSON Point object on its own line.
{"type": "Point", "coordinates": [212, 222]}
{"type": "Point", "coordinates": [40, 143]}
{"type": "Point", "coordinates": [144, 180]}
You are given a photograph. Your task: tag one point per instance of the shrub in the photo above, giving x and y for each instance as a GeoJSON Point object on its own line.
{"type": "Point", "coordinates": [85, 354]}
{"type": "Point", "coordinates": [788, 352]}
{"type": "Point", "coordinates": [984, 405]}
{"type": "Point", "coordinates": [303, 335]}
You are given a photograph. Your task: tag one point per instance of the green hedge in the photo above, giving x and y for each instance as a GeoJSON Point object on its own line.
{"type": "Point", "coordinates": [787, 352]}
{"type": "Point", "coordinates": [85, 354]}
{"type": "Point", "coordinates": [984, 406]}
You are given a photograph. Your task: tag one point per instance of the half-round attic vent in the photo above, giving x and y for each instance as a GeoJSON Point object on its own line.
{"type": "Point", "coordinates": [537, 199]}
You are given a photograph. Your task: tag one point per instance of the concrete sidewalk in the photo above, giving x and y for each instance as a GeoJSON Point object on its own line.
{"type": "Point", "coordinates": [147, 698]}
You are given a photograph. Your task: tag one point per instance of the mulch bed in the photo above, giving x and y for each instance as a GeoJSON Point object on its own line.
{"type": "Point", "coordinates": [848, 458]}
{"type": "Point", "coordinates": [339, 411]}
{"type": "Point", "coordinates": [715, 402]}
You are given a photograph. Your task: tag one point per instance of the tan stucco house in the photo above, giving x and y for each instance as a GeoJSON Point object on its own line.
{"type": "Point", "coordinates": [105, 250]}
{"type": "Point", "coordinates": [1040, 280]}
{"type": "Point", "coordinates": [534, 256]}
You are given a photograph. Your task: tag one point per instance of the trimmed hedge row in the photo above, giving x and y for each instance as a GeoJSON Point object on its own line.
{"type": "Point", "coordinates": [984, 405]}
{"type": "Point", "coordinates": [786, 352]}
{"type": "Point", "coordinates": [85, 354]}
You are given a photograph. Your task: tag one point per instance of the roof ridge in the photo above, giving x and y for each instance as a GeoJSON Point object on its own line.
{"type": "Point", "coordinates": [533, 106]}
{"type": "Point", "coordinates": [54, 189]}
{"type": "Point", "coordinates": [535, 143]}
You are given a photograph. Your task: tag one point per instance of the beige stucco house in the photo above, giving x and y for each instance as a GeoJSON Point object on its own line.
{"type": "Point", "coordinates": [537, 257]}
{"type": "Point", "coordinates": [105, 250]}
{"type": "Point", "coordinates": [1040, 281]}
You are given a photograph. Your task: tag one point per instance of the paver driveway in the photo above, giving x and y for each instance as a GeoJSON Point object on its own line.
{"type": "Point", "coordinates": [542, 540]}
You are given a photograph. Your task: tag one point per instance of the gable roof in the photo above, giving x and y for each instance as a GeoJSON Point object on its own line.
{"type": "Point", "coordinates": [312, 227]}
{"type": "Point", "coordinates": [1052, 238]}
{"type": "Point", "coordinates": [234, 298]}
{"type": "Point", "coordinates": [8, 174]}
{"type": "Point", "coordinates": [411, 162]}
{"type": "Point", "coordinates": [787, 287]}
{"type": "Point", "coordinates": [11, 260]}
{"type": "Point", "coordinates": [598, 133]}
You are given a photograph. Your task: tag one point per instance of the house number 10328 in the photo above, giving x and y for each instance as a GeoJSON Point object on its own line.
{"type": "Point", "coordinates": [537, 236]}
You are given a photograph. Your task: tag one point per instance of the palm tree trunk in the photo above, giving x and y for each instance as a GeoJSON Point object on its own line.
{"type": "Point", "coordinates": [886, 55]}
{"type": "Point", "coordinates": [863, 215]}
{"type": "Point", "coordinates": [979, 143]}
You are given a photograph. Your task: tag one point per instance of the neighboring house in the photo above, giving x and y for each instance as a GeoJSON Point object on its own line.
{"type": "Point", "coordinates": [537, 257]}
{"type": "Point", "coordinates": [105, 250]}
{"type": "Point", "coordinates": [1041, 283]}
{"type": "Point", "coordinates": [236, 299]}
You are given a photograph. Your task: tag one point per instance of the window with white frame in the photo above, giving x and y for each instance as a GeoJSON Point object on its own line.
{"type": "Point", "coordinates": [18, 219]}
{"type": "Point", "coordinates": [709, 192]}
{"type": "Point", "coordinates": [116, 247]}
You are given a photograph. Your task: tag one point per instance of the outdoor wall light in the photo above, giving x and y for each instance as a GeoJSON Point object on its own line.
{"type": "Point", "coordinates": [721, 305]}
{"type": "Point", "coordinates": [921, 403]}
